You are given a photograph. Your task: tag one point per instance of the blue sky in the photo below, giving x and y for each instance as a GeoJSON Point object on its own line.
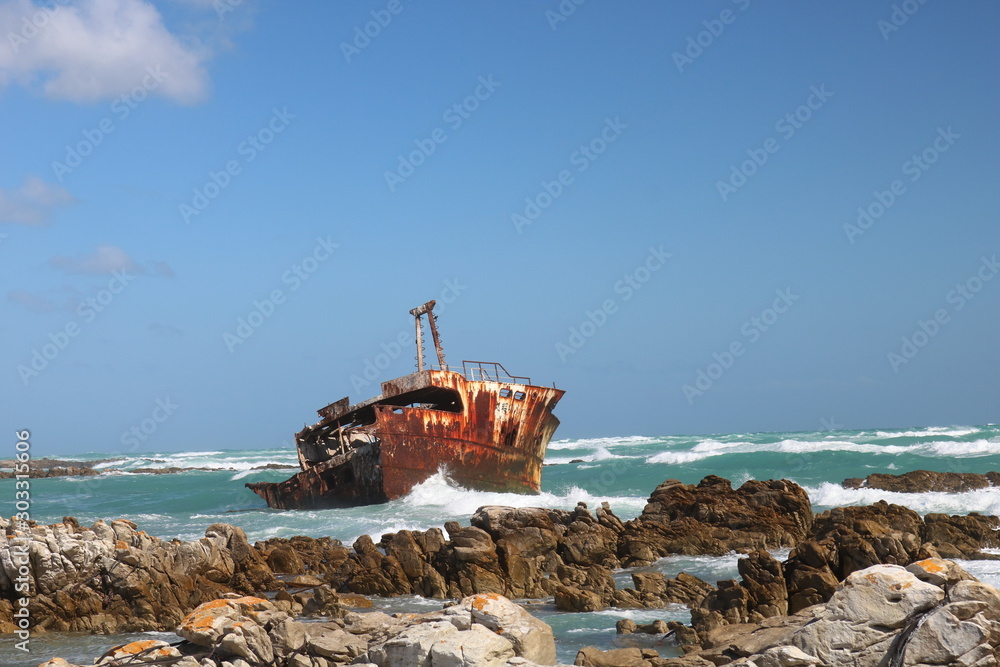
{"type": "Point", "coordinates": [695, 217]}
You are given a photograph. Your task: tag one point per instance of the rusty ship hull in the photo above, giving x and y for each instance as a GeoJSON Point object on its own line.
{"type": "Point", "coordinates": [485, 428]}
{"type": "Point", "coordinates": [487, 435]}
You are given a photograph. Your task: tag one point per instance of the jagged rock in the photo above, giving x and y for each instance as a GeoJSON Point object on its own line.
{"type": "Point", "coordinates": [923, 481]}
{"type": "Point", "coordinates": [760, 594]}
{"type": "Point", "coordinates": [846, 539]}
{"type": "Point", "coordinates": [115, 578]}
{"type": "Point", "coordinates": [581, 590]}
{"type": "Point", "coordinates": [622, 657]}
{"type": "Point", "coordinates": [711, 518]}
{"type": "Point", "coordinates": [962, 536]}
{"type": "Point", "coordinates": [304, 555]}
{"type": "Point", "coordinates": [764, 579]}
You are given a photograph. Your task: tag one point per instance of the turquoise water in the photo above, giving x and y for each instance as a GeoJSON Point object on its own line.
{"type": "Point", "coordinates": [620, 470]}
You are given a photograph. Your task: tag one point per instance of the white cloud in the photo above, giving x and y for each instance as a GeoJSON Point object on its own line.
{"type": "Point", "coordinates": [96, 49]}
{"type": "Point", "coordinates": [32, 203]}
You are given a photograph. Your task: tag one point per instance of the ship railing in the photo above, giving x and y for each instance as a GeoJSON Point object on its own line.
{"type": "Point", "coordinates": [489, 371]}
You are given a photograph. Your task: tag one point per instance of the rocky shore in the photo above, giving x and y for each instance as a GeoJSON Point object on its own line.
{"type": "Point", "coordinates": [113, 578]}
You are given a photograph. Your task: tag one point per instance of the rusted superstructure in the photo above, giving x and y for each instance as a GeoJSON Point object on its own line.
{"type": "Point", "coordinates": [486, 428]}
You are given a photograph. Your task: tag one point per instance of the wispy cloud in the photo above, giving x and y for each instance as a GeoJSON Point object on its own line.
{"type": "Point", "coordinates": [108, 259]}
{"type": "Point", "coordinates": [164, 330]}
{"type": "Point", "coordinates": [31, 301]}
{"type": "Point", "coordinates": [97, 49]}
{"type": "Point", "coordinates": [32, 203]}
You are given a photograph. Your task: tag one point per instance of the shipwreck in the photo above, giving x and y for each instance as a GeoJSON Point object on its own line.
{"type": "Point", "coordinates": [486, 428]}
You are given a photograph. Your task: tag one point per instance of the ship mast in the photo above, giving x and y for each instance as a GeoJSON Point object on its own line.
{"type": "Point", "coordinates": [427, 309]}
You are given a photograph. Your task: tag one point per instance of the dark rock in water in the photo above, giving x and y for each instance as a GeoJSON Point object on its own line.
{"type": "Point", "coordinates": [713, 519]}
{"type": "Point", "coordinates": [963, 536]}
{"type": "Point", "coordinates": [924, 481]}
{"type": "Point", "coordinates": [627, 626]}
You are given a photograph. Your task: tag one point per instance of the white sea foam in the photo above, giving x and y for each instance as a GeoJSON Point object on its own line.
{"type": "Point", "coordinates": [448, 498]}
{"type": "Point", "coordinates": [591, 443]}
{"type": "Point", "coordinates": [985, 501]}
{"type": "Point", "coordinates": [600, 454]}
{"type": "Point", "coordinates": [935, 449]}
{"type": "Point", "coordinates": [930, 432]}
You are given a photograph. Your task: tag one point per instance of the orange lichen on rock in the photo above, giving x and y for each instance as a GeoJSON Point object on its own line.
{"type": "Point", "coordinates": [120, 544]}
{"type": "Point", "coordinates": [931, 565]}
{"type": "Point", "coordinates": [203, 616]}
{"type": "Point", "coordinates": [482, 599]}
{"type": "Point", "coordinates": [139, 646]}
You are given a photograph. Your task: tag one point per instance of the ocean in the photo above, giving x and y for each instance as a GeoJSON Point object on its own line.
{"type": "Point", "coordinates": [620, 470]}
